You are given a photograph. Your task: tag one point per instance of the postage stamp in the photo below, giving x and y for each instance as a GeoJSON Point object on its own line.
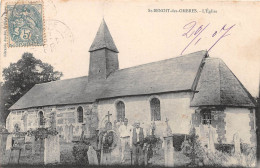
{"type": "Point", "coordinates": [25, 24]}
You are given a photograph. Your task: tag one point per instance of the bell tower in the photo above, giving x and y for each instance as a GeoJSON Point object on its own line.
{"type": "Point", "coordinates": [103, 55]}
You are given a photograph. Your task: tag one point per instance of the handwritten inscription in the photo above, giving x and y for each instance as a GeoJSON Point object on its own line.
{"type": "Point", "coordinates": [194, 32]}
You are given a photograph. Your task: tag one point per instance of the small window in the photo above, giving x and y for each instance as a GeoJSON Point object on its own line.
{"type": "Point", "coordinates": [206, 116]}
{"type": "Point", "coordinates": [155, 109]}
{"type": "Point", "coordinates": [120, 108]}
{"type": "Point", "coordinates": [41, 118]}
{"type": "Point", "coordinates": [80, 114]}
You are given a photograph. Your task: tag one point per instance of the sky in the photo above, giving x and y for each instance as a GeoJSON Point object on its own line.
{"type": "Point", "coordinates": [143, 37]}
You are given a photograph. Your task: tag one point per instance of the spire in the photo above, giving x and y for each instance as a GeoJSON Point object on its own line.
{"type": "Point", "coordinates": [103, 39]}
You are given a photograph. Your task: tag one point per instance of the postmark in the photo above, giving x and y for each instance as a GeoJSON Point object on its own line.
{"type": "Point", "coordinates": [25, 24]}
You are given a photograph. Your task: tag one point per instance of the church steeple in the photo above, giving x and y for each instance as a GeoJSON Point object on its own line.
{"type": "Point", "coordinates": [103, 39]}
{"type": "Point", "coordinates": [103, 54]}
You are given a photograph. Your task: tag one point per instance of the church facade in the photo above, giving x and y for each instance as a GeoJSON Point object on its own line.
{"type": "Point", "coordinates": [189, 90]}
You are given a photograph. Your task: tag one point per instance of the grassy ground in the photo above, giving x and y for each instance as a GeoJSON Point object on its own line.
{"type": "Point", "coordinates": [67, 159]}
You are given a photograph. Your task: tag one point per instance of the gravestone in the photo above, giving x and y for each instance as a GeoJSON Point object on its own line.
{"type": "Point", "coordinates": [9, 142]}
{"type": "Point", "coordinates": [24, 118]}
{"type": "Point", "coordinates": [168, 147]}
{"type": "Point", "coordinates": [70, 134]}
{"type": "Point", "coordinates": [53, 120]}
{"type": "Point", "coordinates": [60, 131]}
{"type": "Point", "coordinates": [3, 139]}
{"type": "Point", "coordinates": [14, 155]}
{"type": "Point", "coordinates": [33, 144]}
{"type": "Point", "coordinates": [236, 139]}
{"type": "Point", "coordinates": [51, 149]}
{"type": "Point", "coordinates": [211, 144]}
{"type": "Point", "coordinates": [66, 133]}
{"type": "Point", "coordinates": [92, 156]}
{"type": "Point", "coordinates": [30, 144]}
{"type": "Point", "coordinates": [17, 146]}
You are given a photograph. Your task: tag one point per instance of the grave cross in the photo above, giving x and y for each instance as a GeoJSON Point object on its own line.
{"type": "Point", "coordinates": [167, 120]}
{"type": "Point", "coordinates": [108, 116]}
{"type": "Point", "coordinates": [168, 129]}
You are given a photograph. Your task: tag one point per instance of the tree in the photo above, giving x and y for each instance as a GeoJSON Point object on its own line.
{"type": "Point", "coordinates": [20, 77]}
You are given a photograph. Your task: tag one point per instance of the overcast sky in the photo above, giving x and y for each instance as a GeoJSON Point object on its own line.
{"type": "Point", "coordinates": [142, 37]}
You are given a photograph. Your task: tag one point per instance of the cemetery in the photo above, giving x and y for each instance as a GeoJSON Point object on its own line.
{"type": "Point", "coordinates": [45, 146]}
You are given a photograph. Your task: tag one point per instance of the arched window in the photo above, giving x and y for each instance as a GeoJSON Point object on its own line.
{"type": "Point", "coordinates": [155, 109]}
{"type": "Point", "coordinates": [41, 118]}
{"type": "Point", "coordinates": [80, 114]}
{"type": "Point", "coordinates": [120, 108]}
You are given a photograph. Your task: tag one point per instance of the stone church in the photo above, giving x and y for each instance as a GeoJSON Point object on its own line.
{"type": "Point", "coordinates": [193, 89]}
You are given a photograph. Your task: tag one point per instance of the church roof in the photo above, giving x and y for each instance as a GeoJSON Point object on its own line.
{"type": "Point", "coordinates": [218, 86]}
{"type": "Point", "coordinates": [171, 75]}
{"type": "Point", "coordinates": [103, 39]}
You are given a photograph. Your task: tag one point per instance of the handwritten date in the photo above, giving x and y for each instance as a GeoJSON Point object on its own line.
{"type": "Point", "coordinates": [194, 32]}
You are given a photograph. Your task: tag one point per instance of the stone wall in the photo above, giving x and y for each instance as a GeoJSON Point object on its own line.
{"type": "Point", "coordinates": [13, 118]}
{"type": "Point", "coordinates": [238, 120]}
{"type": "Point", "coordinates": [174, 106]}
{"type": "Point", "coordinates": [65, 116]}
{"type": "Point", "coordinates": [225, 123]}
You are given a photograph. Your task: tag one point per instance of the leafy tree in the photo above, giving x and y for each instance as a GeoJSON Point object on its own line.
{"type": "Point", "coordinates": [20, 77]}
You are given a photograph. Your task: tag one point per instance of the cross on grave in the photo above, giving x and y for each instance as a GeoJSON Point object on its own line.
{"type": "Point", "coordinates": [120, 120]}
{"type": "Point", "coordinates": [167, 120]}
{"type": "Point", "coordinates": [168, 128]}
{"type": "Point", "coordinates": [108, 116]}
{"type": "Point", "coordinates": [153, 127]}
{"type": "Point", "coordinates": [108, 125]}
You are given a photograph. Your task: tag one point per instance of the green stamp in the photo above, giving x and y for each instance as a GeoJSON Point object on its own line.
{"type": "Point", "coordinates": [25, 24]}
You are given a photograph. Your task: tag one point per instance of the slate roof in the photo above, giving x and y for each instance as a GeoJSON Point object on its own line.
{"type": "Point", "coordinates": [218, 86]}
{"type": "Point", "coordinates": [103, 39]}
{"type": "Point", "coordinates": [175, 74]}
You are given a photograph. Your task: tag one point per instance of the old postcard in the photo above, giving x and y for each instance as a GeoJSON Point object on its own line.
{"type": "Point", "coordinates": [109, 82]}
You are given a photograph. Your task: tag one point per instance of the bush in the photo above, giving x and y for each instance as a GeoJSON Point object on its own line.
{"type": "Point", "coordinates": [249, 153]}
{"type": "Point", "coordinates": [178, 140]}
{"type": "Point", "coordinates": [199, 154]}
{"type": "Point", "coordinates": [79, 152]}
{"type": "Point", "coordinates": [223, 156]}
{"type": "Point", "coordinates": [225, 148]}
{"type": "Point", "coordinates": [152, 141]}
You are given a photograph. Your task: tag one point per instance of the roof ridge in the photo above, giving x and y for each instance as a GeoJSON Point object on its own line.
{"type": "Point", "coordinates": [180, 56]}
{"type": "Point", "coordinates": [60, 80]}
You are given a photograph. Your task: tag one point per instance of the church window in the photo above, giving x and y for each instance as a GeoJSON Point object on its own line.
{"type": "Point", "coordinates": [80, 114]}
{"type": "Point", "coordinates": [206, 116]}
{"type": "Point", "coordinates": [155, 109]}
{"type": "Point", "coordinates": [41, 118]}
{"type": "Point", "coordinates": [120, 108]}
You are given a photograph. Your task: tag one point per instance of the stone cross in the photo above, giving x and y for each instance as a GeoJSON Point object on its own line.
{"type": "Point", "coordinates": [52, 121]}
{"type": "Point", "coordinates": [236, 140]}
{"type": "Point", "coordinates": [153, 127]}
{"type": "Point", "coordinates": [167, 120]}
{"type": "Point", "coordinates": [211, 145]}
{"type": "Point", "coordinates": [120, 120]}
{"type": "Point", "coordinates": [108, 116]}
{"type": "Point", "coordinates": [168, 128]}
